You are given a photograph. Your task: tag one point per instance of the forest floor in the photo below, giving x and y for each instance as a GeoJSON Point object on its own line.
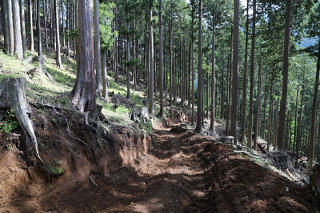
{"type": "Point", "coordinates": [120, 166]}
{"type": "Point", "coordinates": [174, 170]}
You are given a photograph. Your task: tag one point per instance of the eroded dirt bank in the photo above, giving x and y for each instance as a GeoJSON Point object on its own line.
{"type": "Point", "coordinates": [174, 170]}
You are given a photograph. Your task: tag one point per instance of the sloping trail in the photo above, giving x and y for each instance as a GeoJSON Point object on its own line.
{"type": "Point", "coordinates": [185, 172]}
{"type": "Point", "coordinates": [181, 172]}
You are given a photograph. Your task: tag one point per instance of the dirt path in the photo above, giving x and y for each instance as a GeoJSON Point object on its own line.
{"type": "Point", "coordinates": [182, 172]}
{"type": "Point", "coordinates": [168, 179]}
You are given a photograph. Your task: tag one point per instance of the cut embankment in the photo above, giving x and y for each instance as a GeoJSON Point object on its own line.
{"type": "Point", "coordinates": [125, 170]}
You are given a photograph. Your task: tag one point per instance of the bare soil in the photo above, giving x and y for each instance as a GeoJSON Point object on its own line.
{"type": "Point", "coordinates": [173, 170]}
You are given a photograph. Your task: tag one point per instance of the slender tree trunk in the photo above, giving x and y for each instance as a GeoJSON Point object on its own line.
{"type": "Point", "coordinates": [128, 51]}
{"type": "Point", "coordinates": [264, 127]}
{"type": "Point", "coordinates": [258, 109]}
{"type": "Point", "coordinates": [62, 22]}
{"type": "Point", "coordinates": [18, 49]}
{"type": "Point", "coordinates": [97, 47]}
{"type": "Point", "coordinates": [104, 76]}
{"type": "Point", "coordinates": [314, 112]}
{"type": "Point", "coordinates": [68, 28]}
{"type": "Point", "coordinates": [299, 130]}
{"type": "Point", "coordinates": [171, 60]}
{"type": "Point", "coordinates": [23, 27]}
{"type": "Point", "coordinates": [151, 60]}
{"type": "Point", "coordinates": [45, 6]}
{"type": "Point", "coordinates": [192, 63]}
{"type": "Point", "coordinates": [200, 75]}
{"type": "Point", "coordinates": [10, 22]}
{"type": "Point", "coordinates": [245, 80]}
{"type": "Point", "coordinates": [213, 85]}
{"type": "Point", "coordinates": [269, 141]}
{"type": "Point", "coordinates": [282, 114]}
{"type": "Point", "coordinates": [235, 89]}
{"type": "Point", "coordinates": [252, 67]}
{"type": "Point", "coordinates": [161, 59]}
{"type": "Point", "coordinates": [6, 26]}
{"type": "Point", "coordinates": [295, 120]}
{"type": "Point", "coordinates": [275, 129]}
{"type": "Point", "coordinates": [222, 105]}
{"type": "Point", "coordinates": [83, 95]}
{"type": "Point", "coordinates": [58, 57]}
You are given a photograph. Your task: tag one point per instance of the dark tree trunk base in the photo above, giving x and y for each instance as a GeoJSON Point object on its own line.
{"type": "Point", "coordinates": [13, 96]}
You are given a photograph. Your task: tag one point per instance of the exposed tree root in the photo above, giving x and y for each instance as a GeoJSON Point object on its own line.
{"type": "Point", "coordinates": [13, 96]}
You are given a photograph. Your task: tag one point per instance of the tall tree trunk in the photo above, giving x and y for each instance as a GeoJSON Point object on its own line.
{"type": "Point", "coordinates": [45, 14]}
{"type": "Point", "coordinates": [31, 26]}
{"type": "Point", "coordinates": [10, 22]}
{"type": "Point", "coordinates": [314, 112]}
{"type": "Point", "coordinates": [97, 47]}
{"type": "Point", "coordinates": [171, 59]}
{"type": "Point", "coordinates": [192, 68]}
{"type": "Point", "coordinates": [295, 120]}
{"type": "Point", "coordinates": [62, 22]}
{"type": "Point", "coordinates": [269, 141]}
{"type": "Point", "coordinates": [282, 114]}
{"type": "Point", "coordinates": [161, 59]}
{"type": "Point", "coordinates": [18, 49]}
{"type": "Point", "coordinates": [235, 83]}
{"type": "Point", "coordinates": [151, 60]}
{"type": "Point", "coordinates": [252, 67]}
{"type": "Point", "coordinates": [104, 76]}
{"type": "Point", "coordinates": [222, 105]}
{"type": "Point", "coordinates": [299, 130]}
{"type": "Point", "coordinates": [275, 129]}
{"type": "Point", "coordinates": [83, 95]}
{"type": "Point", "coordinates": [245, 80]}
{"type": "Point", "coordinates": [23, 27]}
{"type": "Point", "coordinates": [213, 80]}
{"type": "Point", "coordinates": [258, 109]}
{"type": "Point", "coordinates": [200, 75]}
{"type": "Point", "coordinates": [6, 26]}
{"type": "Point", "coordinates": [128, 50]}
{"type": "Point", "coordinates": [58, 57]}
{"type": "Point", "coordinates": [68, 28]}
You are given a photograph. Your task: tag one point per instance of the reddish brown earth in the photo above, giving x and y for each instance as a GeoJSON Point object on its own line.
{"type": "Point", "coordinates": [174, 170]}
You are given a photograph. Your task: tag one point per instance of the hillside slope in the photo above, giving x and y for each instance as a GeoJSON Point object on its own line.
{"type": "Point", "coordinates": [116, 165]}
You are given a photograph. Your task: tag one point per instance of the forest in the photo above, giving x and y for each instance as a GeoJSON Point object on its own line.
{"type": "Point", "coordinates": [159, 106]}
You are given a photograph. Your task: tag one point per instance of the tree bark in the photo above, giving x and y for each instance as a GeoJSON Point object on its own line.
{"type": "Point", "coordinates": [97, 47]}
{"type": "Point", "coordinates": [213, 85]}
{"type": "Point", "coordinates": [245, 80]}
{"type": "Point", "coordinates": [283, 107]}
{"type": "Point", "coordinates": [23, 27]}
{"type": "Point", "coordinates": [171, 59]}
{"type": "Point", "coordinates": [45, 13]}
{"type": "Point", "coordinates": [151, 60]}
{"type": "Point", "coordinates": [252, 67]}
{"type": "Point", "coordinates": [83, 95]}
{"type": "Point", "coordinates": [200, 75]}
{"type": "Point", "coordinates": [258, 109]}
{"type": "Point", "coordinates": [128, 65]}
{"type": "Point", "coordinates": [6, 26]}
{"type": "Point", "coordinates": [314, 112]}
{"type": "Point", "coordinates": [161, 59]}
{"type": "Point", "coordinates": [192, 61]}
{"type": "Point", "coordinates": [104, 76]}
{"type": "Point", "coordinates": [10, 26]}
{"type": "Point", "coordinates": [18, 50]}
{"type": "Point", "coordinates": [58, 56]}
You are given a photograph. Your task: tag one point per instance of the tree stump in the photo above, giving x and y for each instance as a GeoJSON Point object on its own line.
{"type": "Point", "coordinates": [13, 96]}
